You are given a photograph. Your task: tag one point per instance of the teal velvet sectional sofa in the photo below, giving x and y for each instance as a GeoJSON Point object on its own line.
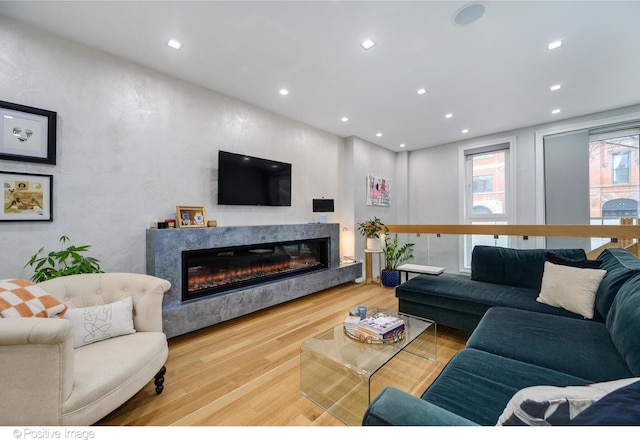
{"type": "Point", "coordinates": [500, 277]}
{"type": "Point", "coordinates": [518, 343]}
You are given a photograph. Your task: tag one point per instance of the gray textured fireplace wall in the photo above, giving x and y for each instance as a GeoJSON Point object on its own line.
{"type": "Point", "coordinates": [164, 260]}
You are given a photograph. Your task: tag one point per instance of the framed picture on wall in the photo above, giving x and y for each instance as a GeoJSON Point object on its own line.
{"type": "Point", "coordinates": [27, 134]}
{"type": "Point", "coordinates": [378, 190]}
{"type": "Point", "coordinates": [191, 217]}
{"type": "Point", "coordinates": [26, 197]}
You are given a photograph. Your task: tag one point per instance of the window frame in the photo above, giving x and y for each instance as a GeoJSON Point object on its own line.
{"type": "Point", "coordinates": [466, 215]}
{"type": "Point", "coordinates": [627, 154]}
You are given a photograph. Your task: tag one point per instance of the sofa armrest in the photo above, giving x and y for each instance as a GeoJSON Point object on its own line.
{"type": "Point", "coordinates": [92, 289]}
{"type": "Point", "coordinates": [397, 408]}
{"type": "Point", "coordinates": [37, 364]}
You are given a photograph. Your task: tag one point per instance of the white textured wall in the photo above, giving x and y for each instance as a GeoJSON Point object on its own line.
{"type": "Point", "coordinates": [133, 144]}
{"type": "Point", "coordinates": [380, 162]}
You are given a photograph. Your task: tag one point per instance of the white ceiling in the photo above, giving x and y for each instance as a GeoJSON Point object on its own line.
{"type": "Point", "coordinates": [493, 75]}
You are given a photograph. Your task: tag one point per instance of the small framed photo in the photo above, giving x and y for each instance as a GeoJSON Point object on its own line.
{"type": "Point", "coordinates": [27, 197]}
{"type": "Point", "coordinates": [27, 134]}
{"type": "Point", "coordinates": [191, 217]}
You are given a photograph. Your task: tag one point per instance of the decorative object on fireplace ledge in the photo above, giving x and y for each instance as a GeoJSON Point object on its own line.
{"type": "Point", "coordinates": [26, 197]}
{"type": "Point", "coordinates": [27, 134]}
{"type": "Point", "coordinates": [191, 217]}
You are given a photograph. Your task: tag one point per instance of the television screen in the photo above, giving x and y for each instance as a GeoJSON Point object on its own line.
{"type": "Point", "coordinates": [248, 180]}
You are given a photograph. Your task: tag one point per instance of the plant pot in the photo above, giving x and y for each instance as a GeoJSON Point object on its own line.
{"type": "Point", "coordinates": [374, 244]}
{"type": "Point", "coordinates": [390, 278]}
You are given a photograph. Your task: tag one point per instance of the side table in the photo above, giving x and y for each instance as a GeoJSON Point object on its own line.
{"type": "Point", "coordinates": [369, 263]}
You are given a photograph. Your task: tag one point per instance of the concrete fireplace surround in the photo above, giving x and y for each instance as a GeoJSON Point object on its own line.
{"type": "Point", "coordinates": [164, 260]}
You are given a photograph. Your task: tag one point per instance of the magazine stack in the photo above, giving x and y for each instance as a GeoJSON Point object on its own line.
{"type": "Point", "coordinates": [380, 327]}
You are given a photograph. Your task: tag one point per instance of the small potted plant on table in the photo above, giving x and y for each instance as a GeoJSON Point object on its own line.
{"type": "Point", "coordinates": [371, 230]}
{"type": "Point", "coordinates": [394, 255]}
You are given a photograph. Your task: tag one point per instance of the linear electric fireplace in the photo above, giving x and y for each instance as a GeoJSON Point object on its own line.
{"type": "Point", "coordinates": [215, 271]}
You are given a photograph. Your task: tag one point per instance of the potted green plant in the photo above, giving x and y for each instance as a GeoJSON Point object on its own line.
{"type": "Point", "coordinates": [66, 261]}
{"type": "Point", "coordinates": [371, 230]}
{"type": "Point", "coordinates": [394, 255]}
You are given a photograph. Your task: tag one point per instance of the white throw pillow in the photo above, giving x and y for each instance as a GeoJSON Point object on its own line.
{"type": "Point", "coordinates": [572, 288]}
{"type": "Point", "coordinates": [546, 405]}
{"type": "Point", "coordinates": [92, 324]}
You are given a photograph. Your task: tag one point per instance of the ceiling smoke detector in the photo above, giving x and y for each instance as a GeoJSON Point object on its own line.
{"type": "Point", "coordinates": [468, 14]}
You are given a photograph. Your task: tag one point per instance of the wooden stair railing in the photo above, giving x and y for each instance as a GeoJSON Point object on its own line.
{"type": "Point", "coordinates": [626, 235]}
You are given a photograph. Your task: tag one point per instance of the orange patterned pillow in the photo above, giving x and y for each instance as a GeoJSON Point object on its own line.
{"type": "Point", "coordinates": [22, 298]}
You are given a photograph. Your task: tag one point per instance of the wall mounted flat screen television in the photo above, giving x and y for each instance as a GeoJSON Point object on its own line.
{"type": "Point", "coordinates": [248, 180]}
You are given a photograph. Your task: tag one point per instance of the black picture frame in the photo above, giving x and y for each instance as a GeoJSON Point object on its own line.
{"type": "Point", "coordinates": [27, 134]}
{"type": "Point", "coordinates": [26, 197]}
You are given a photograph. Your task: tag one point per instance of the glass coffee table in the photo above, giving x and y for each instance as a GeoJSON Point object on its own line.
{"type": "Point", "coordinates": [336, 370]}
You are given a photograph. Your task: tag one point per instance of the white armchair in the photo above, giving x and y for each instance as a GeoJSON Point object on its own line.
{"type": "Point", "coordinates": [44, 380]}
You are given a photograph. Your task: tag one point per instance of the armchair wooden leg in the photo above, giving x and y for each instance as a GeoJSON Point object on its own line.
{"type": "Point", "coordinates": [159, 380]}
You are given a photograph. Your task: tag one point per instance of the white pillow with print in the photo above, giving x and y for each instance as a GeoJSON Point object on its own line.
{"type": "Point", "coordinates": [97, 323]}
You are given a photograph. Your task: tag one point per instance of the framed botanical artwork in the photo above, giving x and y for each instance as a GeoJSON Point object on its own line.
{"type": "Point", "coordinates": [26, 197]}
{"type": "Point", "coordinates": [191, 217]}
{"type": "Point", "coordinates": [27, 134]}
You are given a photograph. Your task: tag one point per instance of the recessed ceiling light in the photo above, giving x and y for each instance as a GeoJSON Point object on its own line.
{"type": "Point", "coordinates": [284, 92]}
{"type": "Point", "coordinates": [402, 145]}
{"type": "Point", "coordinates": [555, 87]}
{"type": "Point", "coordinates": [554, 44]}
{"type": "Point", "coordinates": [175, 44]}
{"type": "Point", "coordinates": [367, 44]}
{"type": "Point", "coordinates": [555, 111]}
{"type": "Point", "coordinates": [465, 131]}
{"type": "Point", "coordinates": [379, 134]}
{"type": "Point", "coordinates": [421, 91]}
{"type": "Point", "coordinates": [449, 115]}
{"type": "Point", "coordinates": [344, 119]}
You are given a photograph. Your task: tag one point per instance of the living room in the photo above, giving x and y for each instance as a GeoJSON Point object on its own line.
{"type": "Point", "coordinates": [134, 143]}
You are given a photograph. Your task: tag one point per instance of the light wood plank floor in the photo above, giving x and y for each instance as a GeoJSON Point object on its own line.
{"type": "Point", "coordinates": [246, 372]}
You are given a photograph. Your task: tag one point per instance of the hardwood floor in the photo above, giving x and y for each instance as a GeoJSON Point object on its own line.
{"type": "Point", "coordinates": [246, 372]}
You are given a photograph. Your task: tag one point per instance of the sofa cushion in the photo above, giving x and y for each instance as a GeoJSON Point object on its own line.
{"type": "Point", "coordinates": [620, 265]}
{"type": "Point", "coordinates": [538, 339]}
{"type": "Point", "coordinates": [514, 267]}
{"type": "Point", "coordinates": [555, 406]}
{"type": "Point", "coordinates": [93, 324]}
{"type": "Point", "coordinates": [623, 322]}
{"type": "Point", "coordinates": [393, 407]}
{"type": "Point", "coordinates": [571, 288]}
{"type": "Point", "coordinates": [108, 373]}
{"type": "Point", "coordinates": [477, 385]}
{"type": "Point", "coordinates": [618, 408]}
{"type": "Point", "coordinates": [22, 298]}
{"type": "Point", "coordinates": [583, 264]}
{"type": "Point", "coordinates": [459, 292]}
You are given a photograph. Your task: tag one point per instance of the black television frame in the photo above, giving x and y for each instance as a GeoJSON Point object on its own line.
{"type": "Point", "coordinates": [241, 180]}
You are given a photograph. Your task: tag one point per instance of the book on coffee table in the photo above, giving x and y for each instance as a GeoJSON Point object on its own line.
{"type": "Point", "coordinates": [381, 326]}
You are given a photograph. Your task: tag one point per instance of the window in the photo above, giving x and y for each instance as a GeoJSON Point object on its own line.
{"type": "Point", "coordinates": [487, 172]}
{"type": "Point", "coordinates": [487, 189]}
{"type": "Point", "coordinates": [620, 168]}
{"type": "Point", "coordinates": [614, 174]}
{"type": "Point", "coordinates": [482, 184]}
{"type": "Point", "coordinates": [614, 177]}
